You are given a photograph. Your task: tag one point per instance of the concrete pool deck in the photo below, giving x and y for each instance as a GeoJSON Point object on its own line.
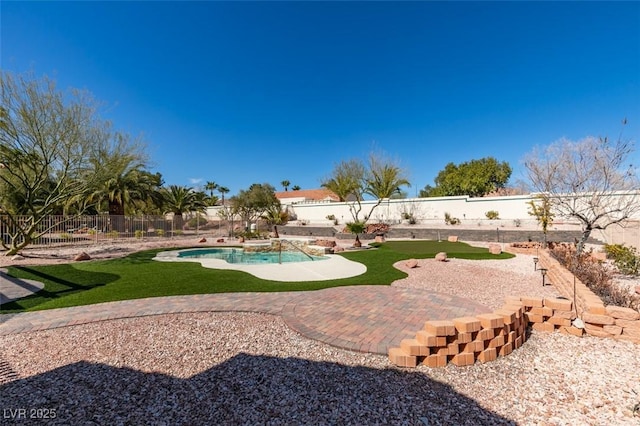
{"type": "Point", "coordinates": [333, 268]}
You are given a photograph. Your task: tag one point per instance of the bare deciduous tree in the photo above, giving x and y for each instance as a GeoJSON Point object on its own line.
{"type": "Point", "coordinates": [45, 139]}
{"type": "Point", "coordinates": [589, 180]}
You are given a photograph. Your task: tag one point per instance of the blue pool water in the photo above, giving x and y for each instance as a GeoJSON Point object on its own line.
{"type": "Point", "coordinates": [235, 255]}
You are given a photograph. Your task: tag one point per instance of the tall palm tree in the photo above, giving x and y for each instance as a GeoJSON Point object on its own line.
{"type": "Point", "coordinates": [285, 184]}
{"type": "Point", "coordinates": [223, 190]}
{"type": "Point", "coordinates": [210, 186]}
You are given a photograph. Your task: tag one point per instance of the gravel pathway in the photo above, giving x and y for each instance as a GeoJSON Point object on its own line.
{"type": "Point", "coordinates": [250, 368]}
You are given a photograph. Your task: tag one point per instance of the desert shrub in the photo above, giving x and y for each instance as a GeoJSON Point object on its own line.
{"type": "Point", "coordinates": [595, 275]}
{"type": "Point", "coordinates": [626, 259]}
{"type": "Point", "coordinates": [65, 236]}
{"type": "Point", "coordinates": [138, 233]}
{"type": "Point", "coordinates": [492, 214]}
{"type": "Point", "coordinates": [333, 219]}
{"type": "Point", "coordinates": [160, 232]}
{"type": "Point", "coordinates": [112, 234]}
{"type": "Point", "coordinates": [451, 220]}
{"type": "Point", "coordinates": [196, 222]}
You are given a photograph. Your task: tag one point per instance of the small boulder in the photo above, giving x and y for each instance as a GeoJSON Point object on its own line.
{"type": "Point", "coordinates": [495, 249]}
{"type": "Point", "coordinates": [220, 240]}
{"type": "Point", "coordinates": [202, 240]}
{"type": "Point", "coordinates": [441, 257]}
{"type": "Point", "coordinates": [17, 257]}
{"type": "Point", "coordinates": [411, 263]}
{"type": "Point", "coordinates": [82, 256]}
{"type": "Point", "coordinates": [453, 238]}
{"type": "Point", "coordinates": [338, 249]}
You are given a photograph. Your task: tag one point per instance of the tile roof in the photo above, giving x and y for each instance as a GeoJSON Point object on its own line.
{"type": "Point", "coordinates": [309, 194]}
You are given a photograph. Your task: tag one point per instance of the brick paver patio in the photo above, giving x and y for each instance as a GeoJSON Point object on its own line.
{"type": "Point", "coordinates": [361, 318]}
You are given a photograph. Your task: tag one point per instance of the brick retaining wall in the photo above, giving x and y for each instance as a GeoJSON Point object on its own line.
{"type": "Point", "coordinates": [463, 341]}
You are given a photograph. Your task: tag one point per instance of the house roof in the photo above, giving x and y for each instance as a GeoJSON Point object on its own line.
{"type": "Point", "coordinates": [309, 194]}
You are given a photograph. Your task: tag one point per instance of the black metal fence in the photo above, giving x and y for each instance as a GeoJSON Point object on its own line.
{"type": "Point", "coordinates": [71, 230]}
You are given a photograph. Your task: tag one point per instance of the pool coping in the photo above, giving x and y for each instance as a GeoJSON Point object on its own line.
{"type": "Point", "coordinates": [332, 268]}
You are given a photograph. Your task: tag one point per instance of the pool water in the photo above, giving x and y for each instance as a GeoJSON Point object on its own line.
{"type": "Point", "coordinates": [235, 255]}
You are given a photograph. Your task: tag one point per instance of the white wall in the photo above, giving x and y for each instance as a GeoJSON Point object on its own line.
{"type": "Point", "coordinates": [467, 209]}
{"type": "Point", "coordinates": [464, 208]}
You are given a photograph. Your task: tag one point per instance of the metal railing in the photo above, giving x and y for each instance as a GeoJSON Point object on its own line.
{"type": "Point", "coordinates": [100, 229]}
{"type": "Point", "coordinates": [295, 247]}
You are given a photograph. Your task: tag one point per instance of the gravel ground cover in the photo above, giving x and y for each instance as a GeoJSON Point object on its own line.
{"type": "Point", "coordinates": [249, 368]}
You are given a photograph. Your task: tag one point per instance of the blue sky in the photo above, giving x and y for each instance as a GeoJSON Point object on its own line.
{"type": "Point", "coordinates": [242, 92]}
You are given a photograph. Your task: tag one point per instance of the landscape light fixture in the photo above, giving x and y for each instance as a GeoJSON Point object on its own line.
{"type": "Point", "coordinates": [543, 271]}
{"type": "Point", "coordinates": [535, 263]}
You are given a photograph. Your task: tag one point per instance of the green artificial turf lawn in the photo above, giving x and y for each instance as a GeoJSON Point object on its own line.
{"type": "Point", "coordinates": [137, 276]}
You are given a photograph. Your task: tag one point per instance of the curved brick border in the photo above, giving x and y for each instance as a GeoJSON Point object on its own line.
{"type": "Point", "coordinates": [465, 340]}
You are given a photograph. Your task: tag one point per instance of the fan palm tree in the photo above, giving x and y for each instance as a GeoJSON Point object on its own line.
{"type": "Point", "coordinates": [285, 184]}
{"type": "Point", "coordinates": [223, 190]}
{"type": "Point", "coordinates": [356, 228]}
{"type": "Point", "coordinates": [210, 186]}
{"type": "Point", "coordinates": [295, 188]}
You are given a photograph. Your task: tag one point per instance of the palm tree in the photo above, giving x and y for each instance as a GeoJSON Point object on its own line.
{"type": "Point", "coordinates": [295, 188]}
{"type": "Point", "coordinates": [285, 184]}
{"type": "Point", "coordinates": [356, 228]}
{"type": "Point", "coordinates": [181, 199]}
{"type": "Point", "coordinates": [122, 183]}
{"type": "Point", "coordinates": [223, 190]}
{"type": "Point", "coordinates": [210, 186]}
{"type": "Point", "coordinates": [384, 181]}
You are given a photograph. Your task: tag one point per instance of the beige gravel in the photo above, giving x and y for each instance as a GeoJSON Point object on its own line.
{"type": "Point", "coordinates": [248, 368]}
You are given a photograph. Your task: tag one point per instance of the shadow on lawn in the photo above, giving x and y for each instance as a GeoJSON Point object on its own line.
{"type": "Point", "coordinates": [55, 286]}
{"type": "Point", "coordinates": [246, 389]}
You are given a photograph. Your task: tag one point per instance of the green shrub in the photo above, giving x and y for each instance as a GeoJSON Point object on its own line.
{"type": "Point", "coordinates": [65, 236]}
{"type": "Point", "coordinates": [112, 234]}
{"type": "Point", "coordinates": [492, 214]}
{"type": "Point", "coordinates": [160, 232]}
{"type": "Point", "coordinates": [626, 259]}
{"type": "Point", "coordinates": [138, 233]}
{"type": "Point", "coordinates": [196, 222]}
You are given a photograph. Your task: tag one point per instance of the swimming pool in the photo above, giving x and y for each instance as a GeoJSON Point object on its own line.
{"type": "Point", "coordinates": [236, 255]}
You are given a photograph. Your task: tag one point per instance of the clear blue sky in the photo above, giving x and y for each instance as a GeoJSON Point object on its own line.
{"type": "Point", "coordinates": [241, 93]}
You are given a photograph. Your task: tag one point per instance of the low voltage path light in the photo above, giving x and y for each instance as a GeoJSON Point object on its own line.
{"type": "Point", "coordinates": [535, 263]}
{"type": "Point", "coordinates": [543, 271]}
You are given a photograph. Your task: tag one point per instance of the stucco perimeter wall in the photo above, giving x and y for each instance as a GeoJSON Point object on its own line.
{"type": "Point", "coordinates": [470, 210]}
{"type": "Point", "coordinates": [390, 211]}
